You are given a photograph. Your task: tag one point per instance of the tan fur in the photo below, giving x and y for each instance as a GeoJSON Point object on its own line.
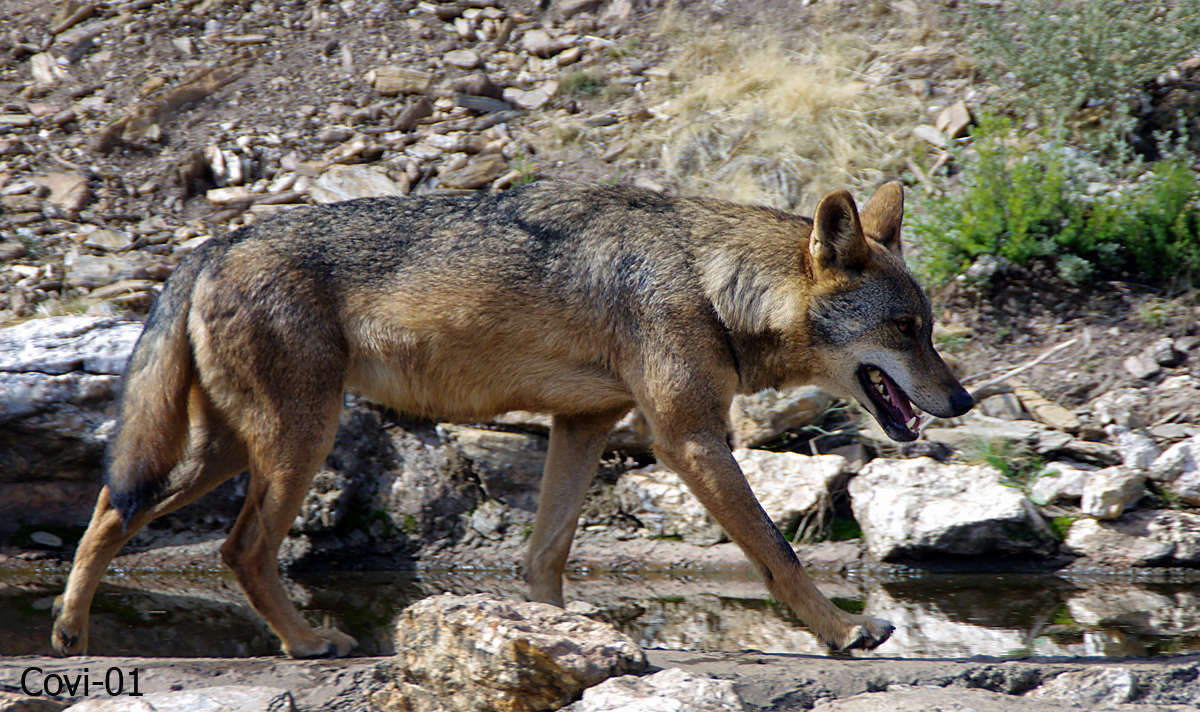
{"type": "Point", "coordinates": [579, 301]}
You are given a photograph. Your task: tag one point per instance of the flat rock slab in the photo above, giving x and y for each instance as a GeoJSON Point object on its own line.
{"type": "Point", "coordinates": [762, 681]}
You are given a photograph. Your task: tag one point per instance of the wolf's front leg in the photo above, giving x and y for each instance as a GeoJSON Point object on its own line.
{"type": "Point", "coordinates": [705, 463]}
{"type": "Point", "coordinates": [576, 443]}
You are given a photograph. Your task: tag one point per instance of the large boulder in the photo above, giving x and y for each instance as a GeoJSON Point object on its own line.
{"type": "Point", "coordinates": [59, 383]}
{"type": "Point", "coordinates": [789, 486]}
{"type": "Point", "coordinates": [920, 507]}
{"type": "Point", "coordinates": [477, 653]}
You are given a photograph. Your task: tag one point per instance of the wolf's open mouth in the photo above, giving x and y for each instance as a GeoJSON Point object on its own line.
{"type": "Point", "coordinates": [893, 409]}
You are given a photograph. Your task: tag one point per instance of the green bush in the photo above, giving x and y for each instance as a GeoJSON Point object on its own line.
{"type": "Point", "coordinates": [1024, 201]}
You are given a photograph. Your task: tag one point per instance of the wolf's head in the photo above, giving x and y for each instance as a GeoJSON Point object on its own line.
{"type": "Point", "coordinates": [870, 324]}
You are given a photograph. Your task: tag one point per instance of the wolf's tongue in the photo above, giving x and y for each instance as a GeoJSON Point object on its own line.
{"type": "Point", "coordinates": [898, 399]}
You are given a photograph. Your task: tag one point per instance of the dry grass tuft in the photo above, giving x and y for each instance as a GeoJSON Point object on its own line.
{"type": "Point", "coordinates": [755, 121]}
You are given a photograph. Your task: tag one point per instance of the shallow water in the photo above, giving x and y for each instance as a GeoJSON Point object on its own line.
{"type": "Point", "coordinates": [203, 613]}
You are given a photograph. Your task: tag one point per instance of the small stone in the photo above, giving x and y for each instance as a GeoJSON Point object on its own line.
{"type": "Point", "coordinates": [540, 43]}
{"type": "Point", "coordinates": [335, 134]}
{"type": "Point", "coordinates": [415, 109]}
{"type": "Point", "coordinates": [394, 80]}
{"type": "Point", "coordinates": [570, 55]}
{"type": "Point", "coordinates": [931, 135]}
{"type": "Point", "coordinates": [1164, 353]}
{"type": "Point", "coordinates": [12, 249]}
{"type": "Point", "coordinates": [340, 183]}
{"type": "Point", "coordinates": [954, 120]}
{"type": "Point", "coordinates": [1137, 449]}
{"type": "Point", "coordinates": [1109, 492]}
{"type": "Point", "coordinates": [229, 196]}
{"type": "Point", "coordinates": [1090, 688]}
{"type": "Point", "coordinates": [1059, 481]}
{"type": "Point", "coordinates": [1141, 366]}
{"type": "Point", "coordinates": [46, 70]}
{"type": "Point", "coordinates": [476, 174]}
{"type": "Point", "coordinates": [567, 8]}
{"type": "Point", "coordinates": [1141, 538]}
{"type": "Point", "coordinates": [1045, 411]}
{"type": "Point", "coordinates": [1178, 470]}
{"type": "Point", "coordinates": [68, 190]}
{"type": "Point", "coordinates": [1124, 407]}
{"type": "Point", "coordinates": [1005, 406]}
{"type": "Point", "coordinates": [672, 689]}
{"type": "Point", "coordinates": [111, 240]}
{"type": "Point", "coordinates": [46, 539]}
{"type": "Point", "coordinates": [532, 99]}
{"type": "Point", "coordinates": [462, 58]}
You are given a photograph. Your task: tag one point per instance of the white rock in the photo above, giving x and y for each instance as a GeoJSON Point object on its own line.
{"type": "Point", "coordinates": [788, 485]}
{"type": "Point", "coordinates": [477, 653]}
{"type": "Point", "coordinates": [659, 500]}
{"type": "Point", "coordinates": [758, 418]}
{"type": "Point", "coordinates": [1137, 448]}
{"type": "Point", "coordinates": [58, 345]}
{"type": "Point", "coordinates": [1124, 407]}
{"type": "Point", "coordinates": [920, 506]}
{"type": "Point", "coordinates": [670, 690]}
{"type": "Point", "coordinates": [228, 698]}
{"type": "Point", "coordinates": [1109, 492]}
{"type": "Point", "coordinates": [462, 58]}
{"type": "Point", "coordinates": [1178, 469]}
{"type": "Point", "coordinates": [340, 182]}
{"type": "Point", "coordinates": [1061, 481]}
{"type": "Point", "coordinates": [1142, 538]}
{"type": "Point", "coordinates": [532, 99]}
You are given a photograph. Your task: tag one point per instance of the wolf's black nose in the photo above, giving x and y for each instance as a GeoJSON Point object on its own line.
{"type": "Point", "coordinates": [961, 402]}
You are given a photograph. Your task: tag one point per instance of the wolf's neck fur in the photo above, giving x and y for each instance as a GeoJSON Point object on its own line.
{"type": "Point", "coordinates": [753, 268]}
{"type": "Point", "coordinates": [751, 265]}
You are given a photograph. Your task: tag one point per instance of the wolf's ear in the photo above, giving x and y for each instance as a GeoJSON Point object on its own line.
{"type": "Point", "coordinates": [837, 237]}
{"type": "Point", "coordinates": [882, 214]}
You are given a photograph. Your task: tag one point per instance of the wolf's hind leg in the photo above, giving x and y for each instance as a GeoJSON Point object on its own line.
{"type": "Point", "coordinates": [576, 443]}
{"type": "Point", "coordinates": [282, 467]}
{"type": "Point", "coordinates": [212, 456]}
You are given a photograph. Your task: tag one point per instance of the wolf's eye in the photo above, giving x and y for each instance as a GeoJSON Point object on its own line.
{"type": "Point", "coordinates": [906, 326]}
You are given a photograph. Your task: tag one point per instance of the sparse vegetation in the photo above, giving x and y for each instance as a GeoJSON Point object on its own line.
{"type": "Point", "coordinates": [1055, 59]}
{"type": "Point", "coordinates": [766, 123]}
{"type": "Point", "coordinates": [1018, 467]}
{"type": "Point", "coordinates": [582, 83]}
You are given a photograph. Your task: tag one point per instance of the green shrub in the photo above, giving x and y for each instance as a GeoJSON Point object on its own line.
{"type": "Point", "coordinates": [1024, 201]}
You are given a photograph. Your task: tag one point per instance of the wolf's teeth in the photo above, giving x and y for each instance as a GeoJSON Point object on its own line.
{"type": "Point", "coordinates": [876, 376]}
{"type": "Point", "coordinates": [913, 422]}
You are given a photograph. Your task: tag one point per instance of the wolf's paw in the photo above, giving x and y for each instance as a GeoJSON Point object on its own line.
{"type": "Point", "coordinates": [864, 633]}
{"type": "Point", "coordinates": [328, 643]}
{"type": "Point", "coordinates": [68, 637]}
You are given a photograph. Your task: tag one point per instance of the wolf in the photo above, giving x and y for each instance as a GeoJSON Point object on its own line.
{"type": "Point", "coordinates": [580, 301]}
